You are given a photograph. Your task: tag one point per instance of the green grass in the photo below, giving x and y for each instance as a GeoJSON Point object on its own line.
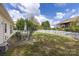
{"type": "Point", "coordinates": [47, 45]}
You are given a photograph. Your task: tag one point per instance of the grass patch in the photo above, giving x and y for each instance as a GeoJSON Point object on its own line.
{"type": "Point", "coordinates": [47, 45]}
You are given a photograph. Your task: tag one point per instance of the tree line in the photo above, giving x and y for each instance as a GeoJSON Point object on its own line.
{"type": "Point", "coordinates": [31, 25]}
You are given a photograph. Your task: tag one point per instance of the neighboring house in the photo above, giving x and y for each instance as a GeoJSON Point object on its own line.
{"type": "Point", "coordinates": [5, 27]}
{"type": "Point", "coordinates": [64, 24]}
{"type": "Point", "coordinates": [69, 22]}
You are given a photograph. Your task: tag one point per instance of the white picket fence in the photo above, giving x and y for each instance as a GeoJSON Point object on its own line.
{"type": "Point", "coordinates": [61, 33]}
{"type": "Point", "coordinates": [55, 32]}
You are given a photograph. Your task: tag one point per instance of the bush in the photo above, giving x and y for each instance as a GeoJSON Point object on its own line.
{"type": "Point", "coordinates": [74, 28]}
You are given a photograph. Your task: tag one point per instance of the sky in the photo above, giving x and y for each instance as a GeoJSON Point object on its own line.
{"type": "Point", "coordinates": [53, 12]}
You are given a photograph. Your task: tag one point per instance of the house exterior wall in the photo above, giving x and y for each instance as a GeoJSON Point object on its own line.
{"type": "Point", "coordinates": [3, 35]}
{"type": "Point", "coordinates": [1, 31]}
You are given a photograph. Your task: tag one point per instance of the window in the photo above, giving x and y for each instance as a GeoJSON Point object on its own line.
{"type": "Point", "coordinates": [5, 28]}
{"type": "Point", "coordinates": [10, 29]}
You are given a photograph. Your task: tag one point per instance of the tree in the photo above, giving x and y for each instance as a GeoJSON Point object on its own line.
{"type": "Point", "coordinates": [74, 28]}
{"type": "Point", "coordinates": [46, 25]}
{"type": "Point", "coordinates": [20, 24]}
{"type": "Point", "coordinates": [31, 27]}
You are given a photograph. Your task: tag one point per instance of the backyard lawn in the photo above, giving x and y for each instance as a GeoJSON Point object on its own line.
{"type": "Point", "coordinates": [46, 45]}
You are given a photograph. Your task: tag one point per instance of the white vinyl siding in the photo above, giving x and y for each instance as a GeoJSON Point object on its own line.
{"type": "Point", "coordinates": [4, 30]}
{"type": "Point", "coordinates": [1, 32]}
